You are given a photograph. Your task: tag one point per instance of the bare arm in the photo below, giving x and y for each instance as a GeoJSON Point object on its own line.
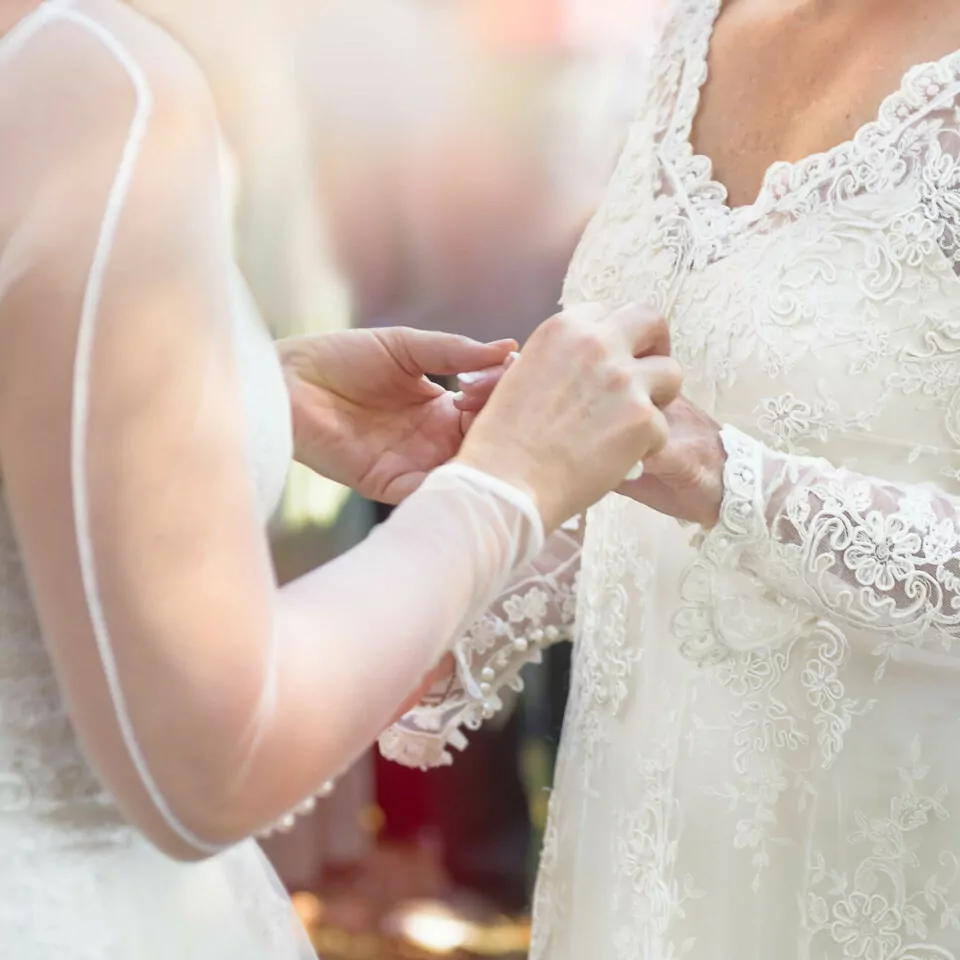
{"type": "Point", "coordinates": [210, 702]}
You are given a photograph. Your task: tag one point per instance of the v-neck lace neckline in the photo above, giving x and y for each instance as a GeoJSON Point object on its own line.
{"type": "Point", "coordinates": [693, 172]}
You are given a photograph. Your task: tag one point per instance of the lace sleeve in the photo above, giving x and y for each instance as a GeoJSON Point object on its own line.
{"type": "Point", "coordinates": [817, 542]}
{"type": "Point", "coordinates": [209, 702]}
{"type": "Point", "coordinates": [536, 609]}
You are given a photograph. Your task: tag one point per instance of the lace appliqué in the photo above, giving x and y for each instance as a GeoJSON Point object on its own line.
{"type": "Point", "coordinates": [723, 609]}
{"type": "Point", "coordinates": [891, 905]}
{"type": "Point", "coordinates": [536, 610]}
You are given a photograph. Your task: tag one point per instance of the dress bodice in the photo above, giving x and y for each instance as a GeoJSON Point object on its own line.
{"type": "Point", "coordinates": [742, 775]}
{"type": "Point", "coordinates": [759, 751]}
{"type": "Point", "coordinates": [823, 315]}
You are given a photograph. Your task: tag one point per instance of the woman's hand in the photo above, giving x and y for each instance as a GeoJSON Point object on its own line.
{"type": "Point", "coordinates": [685, 479]}
{"type": "Point", "coordinates": [364, 413]}
{"type": "Point", "coordinates": [575, 413]}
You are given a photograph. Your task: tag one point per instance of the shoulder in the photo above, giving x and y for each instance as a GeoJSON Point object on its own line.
{"type": "Point", "coordinates": [96, 63]}
{"type": "Point", "coordinates": [94, 77]}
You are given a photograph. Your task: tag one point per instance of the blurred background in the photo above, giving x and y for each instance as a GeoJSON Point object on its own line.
{"type": "Point", "coordinates": [431, 163]}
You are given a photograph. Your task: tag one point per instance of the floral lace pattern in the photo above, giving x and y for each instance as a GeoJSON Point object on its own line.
{"type": "Point", "coordinates": [536, 610]}
{"type": "Point", "coordinates": [759, 753]}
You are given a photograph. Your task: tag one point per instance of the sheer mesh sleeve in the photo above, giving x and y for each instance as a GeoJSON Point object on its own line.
{"type": "Point", "coordinates": [822, 542]}
{"type": "Point", "coordinates": [536, 609]}
{"type": "Point", "coordinates": [209, 702]}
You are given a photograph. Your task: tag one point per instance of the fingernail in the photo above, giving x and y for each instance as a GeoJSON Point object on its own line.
{"type": "Point", "coordinates": [511, 360]}
{"type": "Point", "coordinates": [457, 397]}
{"type": "Point", "coordinates": [468, 379]}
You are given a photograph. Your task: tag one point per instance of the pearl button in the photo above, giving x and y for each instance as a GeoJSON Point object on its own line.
{"type": "Point", "coordinates": [521, 644]}
{"type": "Point", "coordinates": [326, 790]}
{"type": "Point", "coordinates": [552, 634]}
{"type": "Point", "coordinates": [488, 673]}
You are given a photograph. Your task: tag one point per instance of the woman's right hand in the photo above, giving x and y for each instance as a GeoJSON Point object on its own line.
{"type": "Point", "coordinates": [579, 409]}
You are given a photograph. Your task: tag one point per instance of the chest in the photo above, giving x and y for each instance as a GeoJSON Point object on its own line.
{"type": "Point", "coordinates": [823, 316]}
{"type": "Point", "coordinates": [786, 81]}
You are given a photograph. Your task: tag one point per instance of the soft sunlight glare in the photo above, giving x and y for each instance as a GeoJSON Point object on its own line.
{"type": "Point", "coordinates": [434, 928]}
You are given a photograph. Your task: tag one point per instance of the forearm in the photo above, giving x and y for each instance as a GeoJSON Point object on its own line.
{"type": "Point", "coordinates": [356, 637]}
{"type": "Point", "coordinates": [829, 543]}
{"type": "Point", "coordinates": [535, 610]}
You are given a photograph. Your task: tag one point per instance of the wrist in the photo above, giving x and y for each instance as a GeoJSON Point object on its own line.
{"type": "Point", "coordinates": [523, 477]}
{"type": "Point", "coordinates": [530, 534]}
{"type": "Point", "coordinates": [714, 485]}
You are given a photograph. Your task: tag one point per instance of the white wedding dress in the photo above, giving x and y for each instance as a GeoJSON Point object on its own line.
{"type": "Point", "coordinates": [158, 690]}
{"type": "Point", "coordinates": [760, 754]}
{"type": "Point", "coordinates": [75, 880]}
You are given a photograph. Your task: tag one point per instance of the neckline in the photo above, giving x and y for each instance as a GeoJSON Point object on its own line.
{"type": "Point", "coordinates": [781, 177]}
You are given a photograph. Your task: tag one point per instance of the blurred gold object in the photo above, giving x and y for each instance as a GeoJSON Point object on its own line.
{"type": "Point", "coordinates": [309, 908]}
{"type": "Point", "coordinates": [372, 820]}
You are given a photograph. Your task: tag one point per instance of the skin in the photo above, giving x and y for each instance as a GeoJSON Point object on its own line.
{"type": "Point", "coordinates": [760, 106]}
{"type": "Point", "coordinates": [364, 413]}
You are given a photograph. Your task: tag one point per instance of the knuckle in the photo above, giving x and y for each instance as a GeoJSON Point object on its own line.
{"type": "Point", "coordinates": [672, 378]}
{"type": "Point", "coordinates": [658, 323]}
{"type": "Point", "coordinates": [551, 329]}
{"type": "Point", "coordinates": [590, 345]}
{"type": "Point", "coordinates": [617, 379]}
{"type": "Point", "coordinates": [641, 412]}
{"type": "Point", "coordinates": [659, 331]}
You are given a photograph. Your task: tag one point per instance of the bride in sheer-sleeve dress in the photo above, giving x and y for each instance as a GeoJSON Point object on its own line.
{"type": "Point", "coordinates": [162, 701]}
{"type": "Point", "coordinates": [759, 757]}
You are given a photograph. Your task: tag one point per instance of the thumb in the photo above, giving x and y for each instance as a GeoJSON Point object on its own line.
{"type": "Point", "coordinates": [421, 352]}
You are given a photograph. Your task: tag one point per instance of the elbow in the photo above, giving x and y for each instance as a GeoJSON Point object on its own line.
{"type": "Point", "coordinates": [190, 839]}
{"type": "Point", "coordinates": [191, 828]}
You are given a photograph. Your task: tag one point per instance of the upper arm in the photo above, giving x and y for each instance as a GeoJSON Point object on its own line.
{"type": "Point", "coordinates": [121, 441]}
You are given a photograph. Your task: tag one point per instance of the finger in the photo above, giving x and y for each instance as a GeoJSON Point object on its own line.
{"type": "Point", "coordinates": [481, 382]}
{"type": "Point", "coordinates": [466, 403]}
{"type": "Point", "coordinates": [642, 328]}
{"type": "Point", "coordinates": [430, 351]}
{"type": "Point", "coordinates": [660, 434]}
{"type": "Point", "coordinates": [473, 402]}
{"type": "Point", "coordinates": [660, 378]}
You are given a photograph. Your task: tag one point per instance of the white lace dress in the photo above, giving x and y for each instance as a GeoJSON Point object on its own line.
{"type": "Point", "coordinates": [760, 755]}
{"type": "Point", "coordinates": [75, 880]}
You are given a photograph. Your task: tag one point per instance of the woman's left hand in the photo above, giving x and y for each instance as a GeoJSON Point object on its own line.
{"type": "Point", "coordinates": [364, 413]}
{"type": "Point", "coordinates": [684, 480]}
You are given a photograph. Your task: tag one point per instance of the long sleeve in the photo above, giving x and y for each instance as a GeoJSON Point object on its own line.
{"type": "Point", "coordinates": [536, 609]}
{"type": "Point", "coordinates": [209, 702]}
{"type": "Point", "coordinates": [822, 542]}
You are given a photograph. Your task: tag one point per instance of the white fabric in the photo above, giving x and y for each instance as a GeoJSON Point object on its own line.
{"type": "Point", "coordinates": [760, 752]}
{"type": "Point", "coordinates": [145, 435]}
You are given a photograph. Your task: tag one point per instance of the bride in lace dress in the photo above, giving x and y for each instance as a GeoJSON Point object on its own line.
{"type": "Point", "coordinates": [760, 756]}
{"type": "Point", "coordinates": [161, 700]}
